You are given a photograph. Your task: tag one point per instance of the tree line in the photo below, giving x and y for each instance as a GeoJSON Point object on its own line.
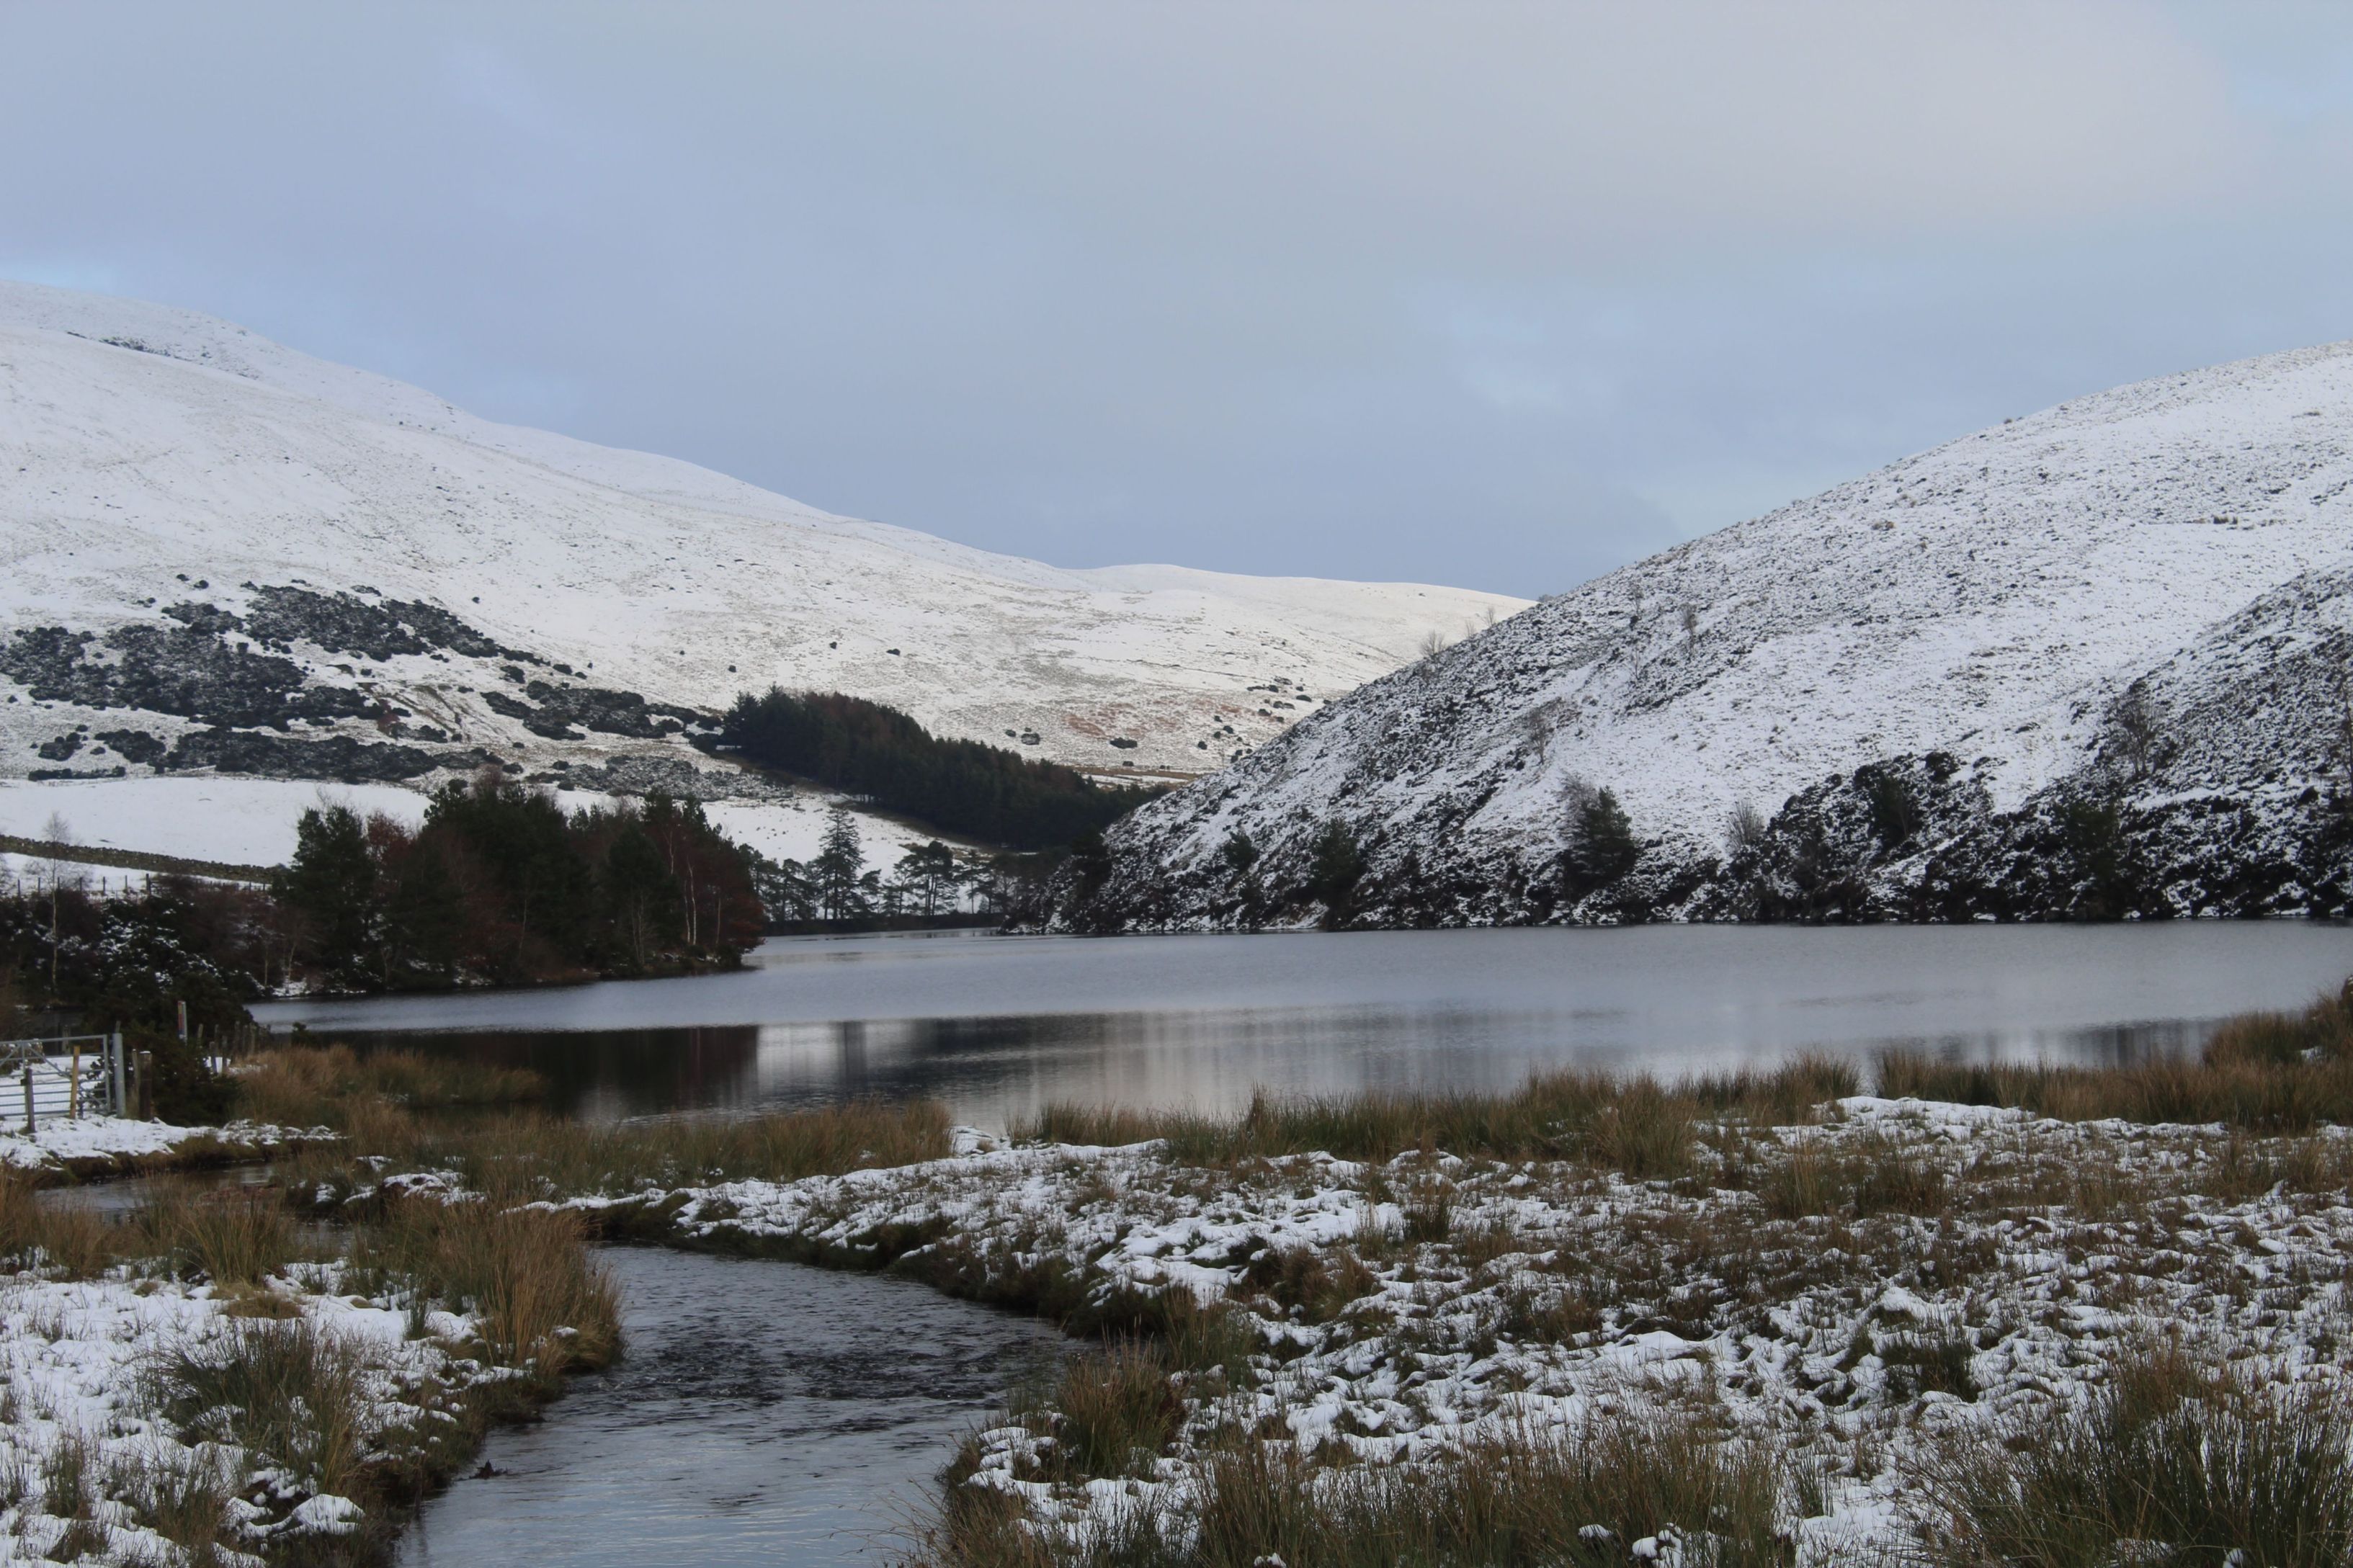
{"type": "Point", "coordinates": [962, 787]}
{"type": "Point", "coordinates": [501, 886]}
{"type": "Point", "coordinates": [930, 882]}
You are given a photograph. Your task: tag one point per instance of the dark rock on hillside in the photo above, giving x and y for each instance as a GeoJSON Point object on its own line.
{"type": "Point", "coordinates": [339, 757]}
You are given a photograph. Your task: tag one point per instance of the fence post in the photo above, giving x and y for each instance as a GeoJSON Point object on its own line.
{"type": "Point", "coordinates": [114, 1055]}
{"type": "Point", "coordinates": [73, 1087]}
{"type": "Point", "coordinates": [29, 1127]}
{"type": "Point", "coordinates": [146, 1086]}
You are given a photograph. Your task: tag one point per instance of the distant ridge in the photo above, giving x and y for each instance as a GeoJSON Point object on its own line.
{"type": "Point", "coordinates": [2096, 662]}
{"type": "Point", "coordinates": [230, 556]}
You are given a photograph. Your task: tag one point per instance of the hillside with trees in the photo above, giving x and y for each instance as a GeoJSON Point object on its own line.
{"type": "Point", "coordinates": [886, 758]}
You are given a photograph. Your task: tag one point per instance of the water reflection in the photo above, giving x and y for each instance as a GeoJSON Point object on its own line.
{"type": "Point", "coordinates": [997, 1028]}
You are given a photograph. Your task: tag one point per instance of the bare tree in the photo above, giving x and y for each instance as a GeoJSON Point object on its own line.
{"type": "Point", "coordinates": [1744, 827]}
{"type": "Point", "coordinates": [56, 870]}
{"type": "Point", "coordinates": [2135, 728]}
{"type": "Point", "coordinates": [1431, 642]}
{"type": "Point", "coordinates": [1691, 627]}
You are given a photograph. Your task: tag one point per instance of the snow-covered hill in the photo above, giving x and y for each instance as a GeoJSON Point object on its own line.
{"type": "Point", "coordinates": [2090, 661]}
{"type": "Point", "coordinates": [218, 553]}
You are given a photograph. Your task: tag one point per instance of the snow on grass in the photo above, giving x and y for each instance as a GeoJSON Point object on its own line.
{"type": "Point", "coordinates": [88, 1440]}
{"type": "Point", "coordinates": [100, 1144]}
{"type": "Point", "coordinates": [241, 821]}
{"type": "Point", "coordinates": [1849, 1293]}
{"type": "Point", "coordinates": [252, 821]}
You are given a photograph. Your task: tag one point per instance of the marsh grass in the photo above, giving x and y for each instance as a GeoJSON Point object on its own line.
{"type": "Point", "coordinates": [528, 1158]}
{"type": "Point", "coordinates": [72, 1483]}
{"type": "Point", "coordinates": [1111, 1411]}
{"type": "Point", "coordinates": [329, 1086]}
{"type": "Point", "coordinates": [183, 1495]}
{"type": "Point", "coordinates": [545, 1303]}
{"type": "Point", "coordinates": [1631, 1123]}
{"type": "Point", "coordinates": [2262, 1072]}
{"type": "Point", "coordinates": [1578, 1498]}
{"type": "Point", "coordinates": [237, 1236]}
{"type": "Point", "coordinates": [290, 1393]}
{"type": "Point", "coordinates": [2174, 1461]}
{"type": "Point", "coordinates": [67, 1243]}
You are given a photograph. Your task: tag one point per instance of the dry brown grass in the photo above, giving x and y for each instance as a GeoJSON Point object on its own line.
{"type": "Point", "coordinates": [237, 1236]}
{"type": "Point", "coordinates": [1633, 1123]}
{"type": "Point", "coordinates": [1578, 1497]}
{"type": "Point", "coordinates": [542, 1300]}
{"type": "Point", "coordinates": [65, 1242]}
{"type": "Point", "coordinates": [327, 1085]}
{"type": "Point", "coordinates": [2175, 1461]}
{"type": "Point", "coordinates": [2264, 1072]}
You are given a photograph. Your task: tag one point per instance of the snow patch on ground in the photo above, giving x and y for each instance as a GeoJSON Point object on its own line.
{"type": "Point", "coordinates": [1808, 1328]}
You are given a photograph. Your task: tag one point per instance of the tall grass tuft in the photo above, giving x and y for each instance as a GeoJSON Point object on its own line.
{"type": "Point", "coordinates": [67, 1242]}
{"type": "Point", "coordinates": [2172, 1462]}
{"type": "Point", "coordinates": [238, 1236]}
{"type": "Point", "coordinates": [1114, 1410]}
{"type": "Point", "coordinates": [544, 1302]}
{"type": "Point", "coordinates": [288, 1392]}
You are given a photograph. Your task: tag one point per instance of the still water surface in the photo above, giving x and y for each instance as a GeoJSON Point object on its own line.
{"type": "Point", "coordinates": [763, 1413]}
{"type": "Point", "coordinates": [998, 1025]}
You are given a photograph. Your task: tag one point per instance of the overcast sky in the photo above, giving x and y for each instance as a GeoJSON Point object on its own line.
{"type": "Point", "coordinates": [1497, 294]}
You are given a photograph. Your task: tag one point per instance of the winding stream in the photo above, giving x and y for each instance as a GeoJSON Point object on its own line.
{"type": "Point", "coordinates": [765, 1413]}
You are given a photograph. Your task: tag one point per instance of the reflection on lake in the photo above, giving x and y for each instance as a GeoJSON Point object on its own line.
{"type": "Point", "coordinates": [997, 1025]}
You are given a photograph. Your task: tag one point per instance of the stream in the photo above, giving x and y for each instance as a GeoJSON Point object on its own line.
{"type": "Point", "coordinates": [763, 1413]}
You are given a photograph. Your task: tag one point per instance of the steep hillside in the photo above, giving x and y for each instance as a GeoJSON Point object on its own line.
{"type": "Point", "coordinates": [2090, 662]}
{"type": "Point", "coordinates": [216, 553]}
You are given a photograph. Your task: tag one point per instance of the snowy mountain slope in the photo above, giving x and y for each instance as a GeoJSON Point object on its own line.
{"type": "Point", "coordinates": [246, 559]}
{"type": "Point", "coordinates": [2093, 661]}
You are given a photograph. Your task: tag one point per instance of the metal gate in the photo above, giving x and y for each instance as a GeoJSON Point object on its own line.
{"type": "Point", "coordinates": [61, 1080]}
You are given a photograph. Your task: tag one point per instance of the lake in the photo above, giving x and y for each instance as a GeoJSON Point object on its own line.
{"type": "Point", "coordinates": [997, 1025]}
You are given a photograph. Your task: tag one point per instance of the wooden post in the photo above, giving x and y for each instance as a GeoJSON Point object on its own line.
{"type": "Point", "coordinates": [114, 1057]}
{"type": "Point", "coordinates": [183, 1023]}
{"type": "Point", "coordinates": [146, 1086]}
{"type": "Point", "coordinates": [29, 1128]}
{"type": "Point", "coordinates": [73, 1092]}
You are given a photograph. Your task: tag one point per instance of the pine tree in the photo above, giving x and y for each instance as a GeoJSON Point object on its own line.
{"type": "Point", "coordinates": [840, 861]}
{"type": "Point", "coordinates": [1602, 846]}
{"type": "Point", "coordinates": [332, 884]}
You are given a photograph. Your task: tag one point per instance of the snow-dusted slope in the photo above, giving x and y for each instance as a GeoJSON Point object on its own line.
{"type": "Point", "coordinates": [2090, 660]}
{"type": "Point", "coordinates": [152, 459]}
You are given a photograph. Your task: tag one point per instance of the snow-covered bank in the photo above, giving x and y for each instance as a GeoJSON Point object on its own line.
{"type": "Point", "coordinates": [1852, 1292]}
{"type": "Point", "coordinates": [101, 1467]}
{"type": "Point", "coordinates": [200, 1381]}
{"type": "Point", "coordinates": [108, 1146]}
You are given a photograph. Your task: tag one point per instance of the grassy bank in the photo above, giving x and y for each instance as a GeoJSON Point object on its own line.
{"type": "Point", "coordinates": [200, 1379]}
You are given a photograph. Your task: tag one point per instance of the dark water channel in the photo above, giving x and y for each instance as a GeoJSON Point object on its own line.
{"type": "Point", "coordinates": [997, 1025]}
{"type": "Point", "coordinates": [765, 1413]}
